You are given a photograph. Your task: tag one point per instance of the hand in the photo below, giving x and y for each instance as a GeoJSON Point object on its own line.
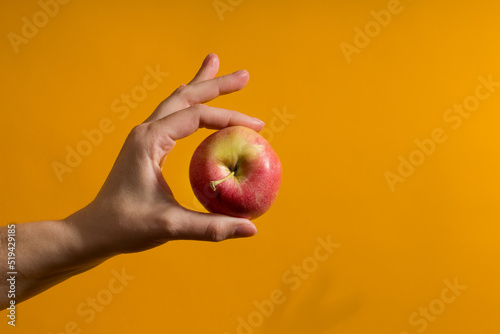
{"type": "Point", "coordinates": [135, 209]}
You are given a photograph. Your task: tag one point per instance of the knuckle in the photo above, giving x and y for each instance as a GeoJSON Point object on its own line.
{"type": "Point", "coordinates": [196, 108]}
{"type": "Point", "coordinates": [170, 229]}
{"type": "Point", "coordinates": [215, 231]}
{"type": "Point", "coordinates": [184, 92]}
{"type": "Point", "coordinates": [137, 134]}
{"type": "Point", "coordinates": [181, 90]}
{"type": "Point", "coordinates": [139, 130]}
{"type": "Point", "coordinates": [170, 224]}
{"type": "Point", "coordinates": [195, 112]}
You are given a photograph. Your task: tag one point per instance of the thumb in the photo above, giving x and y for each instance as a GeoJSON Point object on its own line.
{"type": "Point", "coordinates": [194, 225]}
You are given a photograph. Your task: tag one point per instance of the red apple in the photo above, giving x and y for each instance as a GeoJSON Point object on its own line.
{"type": "Point", "coordinates": [235, 172]}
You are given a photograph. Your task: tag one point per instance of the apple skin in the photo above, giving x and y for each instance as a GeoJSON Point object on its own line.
{"type": "Point", "coordinates": [252, 189]}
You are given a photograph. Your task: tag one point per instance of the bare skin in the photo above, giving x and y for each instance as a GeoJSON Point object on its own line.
{"type": "Point", "coordinates": [135, 209]}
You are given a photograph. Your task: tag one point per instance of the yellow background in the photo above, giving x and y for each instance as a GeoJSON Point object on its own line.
{"type": "Point", "coordinates": [352, 122]}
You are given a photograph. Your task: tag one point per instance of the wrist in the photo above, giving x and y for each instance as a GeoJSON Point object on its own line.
{"type": "Point", "coordinates": [88, 243]}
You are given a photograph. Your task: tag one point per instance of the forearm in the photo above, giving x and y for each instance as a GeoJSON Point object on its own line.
{"type": "Point", "coordinates": [46, 253]}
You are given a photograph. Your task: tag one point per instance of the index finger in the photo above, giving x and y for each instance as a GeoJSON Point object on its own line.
{"type": "Point", "coordinates": [185, 122]}
{"type": "Point", "coordinates": [200, 92]}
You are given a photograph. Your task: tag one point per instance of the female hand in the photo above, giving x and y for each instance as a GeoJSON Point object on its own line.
{"type": "Point", "coordinates": [135, 209]}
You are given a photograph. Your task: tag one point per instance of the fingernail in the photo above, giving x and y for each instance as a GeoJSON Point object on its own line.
{"type": "Point", "coordinates": [241, 72]}
{"type": "Point", "coordinates": [207, 59]}
{"type": "Point", "coordinates": [244, 230]}
{"type": "Point", "coordinates": [259, 121]}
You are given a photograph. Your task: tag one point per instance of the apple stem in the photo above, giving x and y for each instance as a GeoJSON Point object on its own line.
{"type": "Point", "coordinates": [214, 183]}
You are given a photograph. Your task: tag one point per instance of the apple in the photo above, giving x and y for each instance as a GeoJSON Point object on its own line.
{"type": "Point", "coordinates": [235, 172]}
